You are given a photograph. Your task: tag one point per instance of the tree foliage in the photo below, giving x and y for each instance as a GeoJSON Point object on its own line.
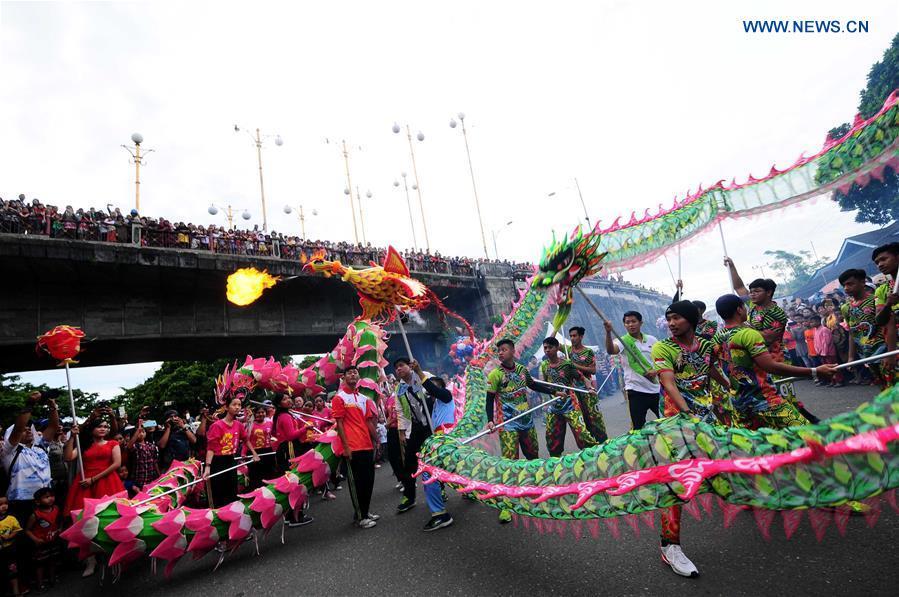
{"type": "Point", "coordinates": [14, 392]}
{"type": "Point", "coordinates": [181, 385]}
{"type": "Point", "coordinates": [877, 202]}
{"type": "Point", "coordinates": [794, 269]}
{"type": "Point", "coordinates": [308, 361]}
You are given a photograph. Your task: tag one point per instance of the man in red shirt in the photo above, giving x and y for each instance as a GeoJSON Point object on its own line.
{"type": "Point", "coordinates": [356, 417]}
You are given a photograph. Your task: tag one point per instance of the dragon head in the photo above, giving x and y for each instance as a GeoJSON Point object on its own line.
{"type": "Point", "coordinates": [564, 264]}
{"type": "Point", "coordinates": [318, 264]}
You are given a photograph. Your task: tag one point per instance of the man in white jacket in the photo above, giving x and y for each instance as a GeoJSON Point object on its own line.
{"type": "Point", "coordinates": [423, 406]}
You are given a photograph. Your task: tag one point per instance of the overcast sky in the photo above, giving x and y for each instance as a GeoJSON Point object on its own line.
{"type": "Point", "coordinates": [639, 101]}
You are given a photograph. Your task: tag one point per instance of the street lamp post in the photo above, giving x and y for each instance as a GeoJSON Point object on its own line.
{"type": "Point", "coordinates": [289, 210]}
{"type": "Point", "coordinates": [496, 233]}
{"type": "Point", "coordinates": [396, 184]}
{"type": "Point", "coordinates": [348, 192]}
{"type": "Point", "coordinates": [228, 213]}
{"type": "Point", "coordinates": [368, 195]}
{"type": "Point", "coordinates": [258, 139]}
{"type": "Point", "coordinates": [417, 186]}
{"type": "Point", "coordinates": [760, 269]}
{"type": "Point", "coordinates": [138, 161]}
{"type": "Point", "coordinates": [474, 187]}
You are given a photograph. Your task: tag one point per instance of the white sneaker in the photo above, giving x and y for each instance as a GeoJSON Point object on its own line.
{"type": "Point", "coordinates": [366, 523]}
{"type": "Point", "coordinates": [375, 517]}
{"type": "Point", "coordinates": [674, 556]}
{"type": "Point", "coordinates": [89, 567]}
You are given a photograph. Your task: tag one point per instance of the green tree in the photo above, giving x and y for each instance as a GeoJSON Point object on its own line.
{"type": "Point", "coordinates": [794, 269]}
{"type": "Point", "coordinates": [877, 202]}
{"type": "Point", "coordinates": [14, 392]}
{"type": "Point", "coordinates": [182, 385]}
{"type": "Point", "coordinates": [308, 361]}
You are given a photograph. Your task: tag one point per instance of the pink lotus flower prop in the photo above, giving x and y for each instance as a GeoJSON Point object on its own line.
{"type": "Point", "coordinates": [172, 549]}
{"type": "Point", "coordinates": [171, 523]}
{"type": "Point", "coordinates": [290, 484]}
{"type": "Point", "coordinates": [205, 534]}
{"type": "Point", "coordinates": [240, 523]}
{"type": "Point", "coordinates": [82, 532]}
{"type": "Point", "coordinates": [125, 553]}
{"type": "Point", "coordinates": [313, 462]}
{"type": "Point", "coordinates": [331, 437]}
{"type": "Point", "coordinates": [126, 528]}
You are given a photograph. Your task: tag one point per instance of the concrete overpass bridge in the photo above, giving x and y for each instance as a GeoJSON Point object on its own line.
{"type": "Point", "coordinates": [143, 304]}
{"type": "Point", "coordinates": [140, 304]}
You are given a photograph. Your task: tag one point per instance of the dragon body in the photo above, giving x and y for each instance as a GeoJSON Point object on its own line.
{"type": "Point", "coordinates": [157, 523]}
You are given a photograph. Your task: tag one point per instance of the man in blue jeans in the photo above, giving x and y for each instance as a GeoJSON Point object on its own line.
{"type": "Point", "coordinates": [417, 395]}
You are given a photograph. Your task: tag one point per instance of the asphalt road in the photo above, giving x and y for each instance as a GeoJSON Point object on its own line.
{"type": "Point", "coordinates": [477, 556]}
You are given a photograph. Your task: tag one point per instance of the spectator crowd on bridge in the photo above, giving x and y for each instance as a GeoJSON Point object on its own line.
{"type": "Point", "coordinates": [18, 216]}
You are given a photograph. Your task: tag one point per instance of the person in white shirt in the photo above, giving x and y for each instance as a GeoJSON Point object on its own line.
{"type": "Point", "coordinates": [24, 454]}
{"type": "Point", "coordinates": [641, 380]}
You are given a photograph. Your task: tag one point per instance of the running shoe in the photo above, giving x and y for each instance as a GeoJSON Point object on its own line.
{"type": "Point", "coordinates": [438, 522]}
{"type": "Point", "coordinates": [301, 522]}
{"type": "Point", "coordinates": [405, 505]}
{"type": "Point", "coordinates": [674, 556]}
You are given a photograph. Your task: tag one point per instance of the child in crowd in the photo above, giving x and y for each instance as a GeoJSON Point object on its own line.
{"type": "Point", "coordinates": [145, 457]}
{"type": "Point", "coordinates": [43, 530]}
{"type": "Point", "coordinates": [9, 528]}
{"type": "Point", "coordinates": [128, 483]}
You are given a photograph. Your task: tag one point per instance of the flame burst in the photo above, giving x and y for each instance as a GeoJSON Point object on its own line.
{"type": "Point", "coordinates": [247, 284]}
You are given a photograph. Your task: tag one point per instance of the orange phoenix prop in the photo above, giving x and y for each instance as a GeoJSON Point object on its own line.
{"type": "Point", "coordinates": [247, 284]}
{"type": "Point", "coordinates": [384, 288]}
{"type": "Point", "coordinates": [63, 343]}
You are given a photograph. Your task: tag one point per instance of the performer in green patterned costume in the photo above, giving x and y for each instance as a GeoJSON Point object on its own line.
{"type": "Point", "coordinates": [770, 320]}
{"type": "Point", "coordinates": [860, 314]}
{"type": "Point", "coordinates": [685, 364]}
{"type": "Point", "coordinates": [749, 366]}
{"type": "Point", "coordinates": [886, 301]}
{"type": "Point", "coordinates": [564, 410]}
{"type": "Point", "coordinates": [706, 328]}
{"type": "Point", "coordinates": [507, 385]}
{"type": "Point", "coordinates": [584, 361]}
